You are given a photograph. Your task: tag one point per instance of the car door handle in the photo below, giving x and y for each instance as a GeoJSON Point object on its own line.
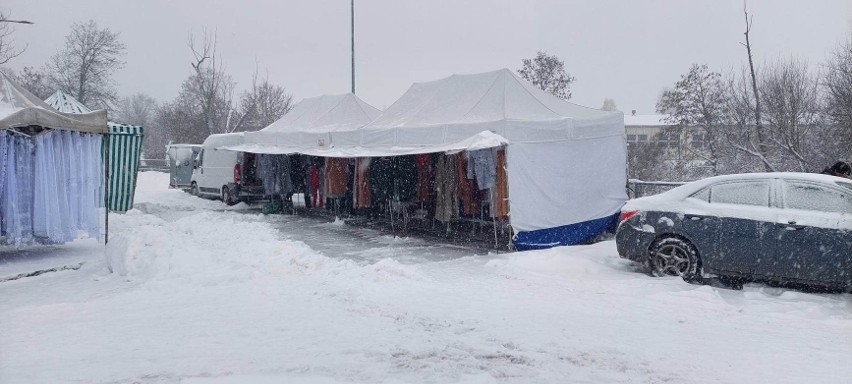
{"type": "Point", "coordinates": [694, 217]}
{"type": "Point", "coordinates": [792, 226]}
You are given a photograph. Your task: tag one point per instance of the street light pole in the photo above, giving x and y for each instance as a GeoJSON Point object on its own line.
{"type": "Point", "coordinates": [352, 8]}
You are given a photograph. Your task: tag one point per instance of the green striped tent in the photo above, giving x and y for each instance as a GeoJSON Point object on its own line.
{"type": "Point", "coordinates": [125, 147]}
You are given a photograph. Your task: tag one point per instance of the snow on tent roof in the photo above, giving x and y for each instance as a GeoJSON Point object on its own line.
{"type": "Point", "coordinates": [308, 125]}
{"type": "Point", "coordinates": [221, 140]}
{"type": "Point", "coordinates": [20, 108]}
{"type": "Point", "coordinates": [66, 103]}
{"type": "Point", "coordinates": [646, 121]}
{"type": "Point", "coordinates": [451, 109]}
{"type": "Point", "coordinates": [326, 113]}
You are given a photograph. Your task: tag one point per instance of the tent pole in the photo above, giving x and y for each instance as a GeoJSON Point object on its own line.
{"type": "Point", "coordinates": [505, 166]}
{"type": "Point", "coordinates": [106, 188]}
{"type": "Point", "coordinates": [493, 218]}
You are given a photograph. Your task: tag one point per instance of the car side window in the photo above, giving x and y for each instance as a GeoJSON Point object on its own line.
{"type": "Point", "coordinates": [755, 193]}
{"type": "Point", "coordinates": [813, 197]}
{"type": "Point", "coordinates": [703, 195]}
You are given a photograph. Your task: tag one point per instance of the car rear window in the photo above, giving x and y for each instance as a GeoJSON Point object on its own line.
{"type": "Point", "coordinates": [813, 197]}
{"type": "Point", "coordinates": [754, 193]}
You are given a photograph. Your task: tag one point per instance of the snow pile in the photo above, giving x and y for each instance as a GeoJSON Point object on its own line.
{"type": "Point", "coordinates": [205, 295]}
{"type": "Point", "coordinates": [205, 247]}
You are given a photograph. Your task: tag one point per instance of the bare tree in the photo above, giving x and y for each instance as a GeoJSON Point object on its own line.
{"type": "Point", "coordinates": [264, 103]}
{"type": "Point", "coordinates": [34, 81]}
{"type": "Point", "coordinates": [212, 88]}
{"type": "Point", "coordinates": [609, 105]}
{"type": "Point", "coordinates": [837, 84]}
{"type": "Point", "coordinates": [138, 109]}
{"type": "Point", "coordinates": [548, 73]}
{"type": "Point", "coordinates": [7, 45]}
{"type": "Point", "coordinates": [84, 67]}
{"type": "Point", "coordinates": [740, 131]}
{"type": "Point", "coordinates": [141, 109]}
{"type": "Point", "coordinates": [790, 95]}
{"type": "Point", "coordinates": [760, 146]}
{"type": "Point", "coordinates": [696, 105]}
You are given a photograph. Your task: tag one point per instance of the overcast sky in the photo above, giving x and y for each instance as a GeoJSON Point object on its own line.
{"type": "Point", "coordinates": [626, 50]}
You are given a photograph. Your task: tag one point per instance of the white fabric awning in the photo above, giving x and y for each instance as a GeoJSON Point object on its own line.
{"type": "Point", "coordinates": [481, 140]}
{"type": "Point", "coordinates": [20, 108]}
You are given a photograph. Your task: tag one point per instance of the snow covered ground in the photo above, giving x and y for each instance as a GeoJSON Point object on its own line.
{"type": "Point", "coordinates": [203, 294]}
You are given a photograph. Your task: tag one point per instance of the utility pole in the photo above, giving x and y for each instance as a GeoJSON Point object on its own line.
{"type": "Point", "coordinates": [352, 8]}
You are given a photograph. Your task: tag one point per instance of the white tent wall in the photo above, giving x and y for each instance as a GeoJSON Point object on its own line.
{"type": "Point", "coordinates": [564, 192]}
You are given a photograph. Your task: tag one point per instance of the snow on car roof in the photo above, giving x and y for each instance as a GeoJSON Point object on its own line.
{"type": "Point", "coordinates": [688, 189]}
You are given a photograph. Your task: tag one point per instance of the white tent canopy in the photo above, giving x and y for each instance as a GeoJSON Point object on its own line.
{"type": "Point", "coordinates": [452, 109]}
{"type": "Point", "coordinates": [66, 103]}
{"type": "Point", "coordinates": [20, 108]}
{"type": "Point", "coordinates": [308, 125]}
{"type": "Point", "coordinates": [565, 163]}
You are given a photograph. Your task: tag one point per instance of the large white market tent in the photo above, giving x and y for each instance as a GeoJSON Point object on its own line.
{"type": "Point", "coordinates": [565, 163]}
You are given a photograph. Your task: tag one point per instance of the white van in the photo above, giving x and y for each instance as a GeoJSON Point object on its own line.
{"type": "Point", "coordinates": [224, 174]}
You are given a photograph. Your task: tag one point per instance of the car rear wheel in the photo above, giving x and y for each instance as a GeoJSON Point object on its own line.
{"type": "Point", "coordinates": [226, 196]}
{"type": "Point", "coordinates": [674, 256]}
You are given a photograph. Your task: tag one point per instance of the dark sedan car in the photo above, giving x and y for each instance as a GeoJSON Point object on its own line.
{"type": "Point", "coordinates": [784, 227]}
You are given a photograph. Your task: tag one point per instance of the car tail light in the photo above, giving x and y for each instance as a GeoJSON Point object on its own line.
{"type": "Point", "coordinates": [626, 215]}
{"type": "Point", "coordinates": [236, 174]}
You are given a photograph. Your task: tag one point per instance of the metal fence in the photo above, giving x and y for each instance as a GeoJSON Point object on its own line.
{"type": "Point", "coordinates": [638, 188]}
{"type": "Point", "coordinates": [159, 165]}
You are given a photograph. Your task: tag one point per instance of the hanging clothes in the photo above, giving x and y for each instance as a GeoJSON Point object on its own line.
{"type": "Point", "coordinates": [314, 185]}
{"type": "Point", "coordinates": [381, 180]}
{"type": "Point", "coordinates": [362, 197]}
{"type": "Point", "coordinates": [298, 169]}
{"type": "Point", "coordinates": [267, 168]}
{"type": "Point", "coordinates": [285, 174]}
{"type": "Point", "coordinates": [275, 175]}
{"type": "Point", "coordinates": [446, 188]}
{"type": "Point", "coordinates": [425, 183]}
{"type": "Point", "coordinates": [405, 178]}
{"type": "Point", "coordinates": [500, 198]}
{"type": "Point", "coordinates": [336, 174]}
{"type": "Point", "coordinates": [481, 166]}
{"type": "Point", "coordinates": [467, 189]}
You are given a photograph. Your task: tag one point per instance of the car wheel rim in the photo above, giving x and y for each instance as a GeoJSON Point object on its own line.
{"type": "Point", "coordinates": [672, 260]}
